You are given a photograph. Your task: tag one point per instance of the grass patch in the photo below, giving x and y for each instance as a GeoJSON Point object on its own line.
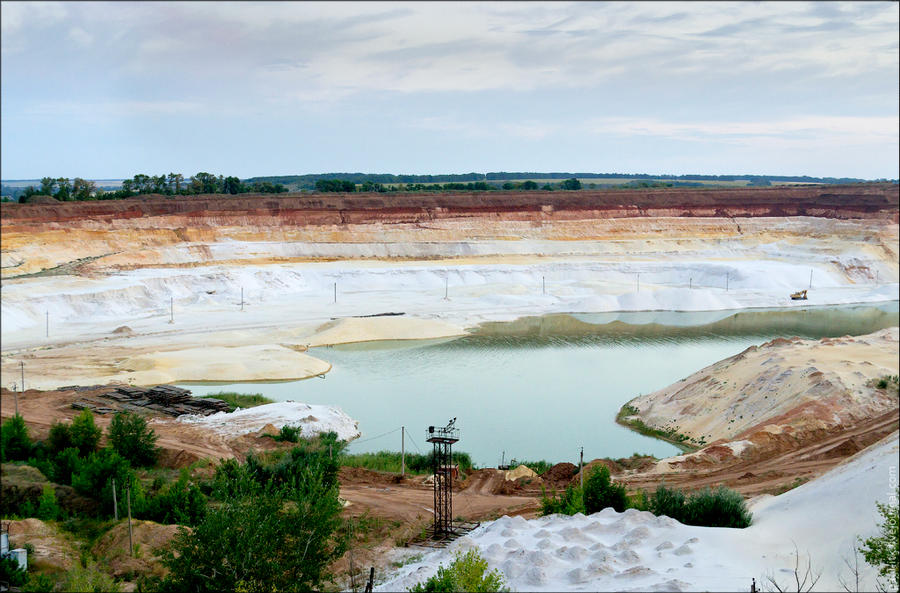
{"type": "Point", "coordinates": [389, 461]}
{"type": "Point", "coordinates": [670, 435]}
{"type": "Point", "coordinates": [240, 400]}
{"type": "Point", "coordinates": [889, 383]}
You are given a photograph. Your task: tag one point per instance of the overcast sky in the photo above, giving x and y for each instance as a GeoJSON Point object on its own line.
{"type": "Point", "coordinates": [110, 89]}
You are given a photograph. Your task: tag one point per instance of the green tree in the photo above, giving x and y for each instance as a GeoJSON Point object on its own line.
{"type": "Point", "coordinates": [60, 437]}
{"type": "Point", "coordinates": [571, 184]}
{"type": "Point", "coordinates": [85, 434]}
{"type": "Point", "coordinates": [65, 189]}
{"type": "Point", "coordinates": [231, 185]}
{"type": "Point", "coordinates": [48, 185]}
{"type": "Point", "coordinates": [529, 185]}
{"type": "Point", "coordinates": [15, 444]}
{"type": "Point", "coordinates": [82, 189]}
{"type": "Point", "coordinates": [93, 477]}
{"type": "Point", "coordinates": [295, 524]}
{"type": "Point", "coordinates": [601, 492]}
{"type": "Point", "coordinates": [48, 509]}
{"type": "Point", "coordinates": [130, 437]}
{"type": "Point", "coordinates": [881, 551]}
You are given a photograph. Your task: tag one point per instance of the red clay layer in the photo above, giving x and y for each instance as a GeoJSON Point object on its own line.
{"type": "Point", "coordinates": [880, 201]}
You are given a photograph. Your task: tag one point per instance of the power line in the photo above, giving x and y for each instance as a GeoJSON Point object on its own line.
{"type": "Point", "coordinates": [377, 437]}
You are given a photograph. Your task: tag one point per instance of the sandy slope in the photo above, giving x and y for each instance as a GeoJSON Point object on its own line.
{"type": "Point", "coordinates": [784, 389]}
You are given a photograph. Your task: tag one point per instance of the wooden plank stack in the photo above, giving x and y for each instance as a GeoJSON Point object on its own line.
{"type": "Point", "coordinates": [166, 399]}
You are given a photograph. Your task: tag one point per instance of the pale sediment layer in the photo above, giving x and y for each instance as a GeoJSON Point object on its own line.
{"type": "Point", "coordinates": [786, 390]}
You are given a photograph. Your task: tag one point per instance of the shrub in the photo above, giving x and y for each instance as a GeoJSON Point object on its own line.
{"type": "Point", "coordinates": [130, 437]}
{"type": "Point", "coordinates": [180, 503]}
{"type": "Point", "coordinates": [60, 437]}
{"type": "Point", "coordinates": [882, 551]}
{"type": "Point", "coordinates": [240, 400]}
{"type": "Point", "coordinates": [64, 465]}
{"type": "Point", "coordinates": [667, 501]}
{"type": "Point", "coordinates": [601, 492]}
{"type": "Point", "coordinates": [294, 523]}
{"type": "Point", "coordinates": [717, 508]}
{"type": "Point", "coordinates": [11, 573]}
{"type": "Point", "coordinates": [48, 509]}
{"type": "Point", "coordinates": [290, 434]}
{"type": "Point", "coordinates": [467, 572]}
{"type": "Point", "coordinates": [85, 434]}
{"type": "Point", "coordinates": [86, 576]}
{"type": "Point", "coordinates": [15, 444]}
{"type": "Point", "coordinates": [93, 477]}
{"type": "Point", "coordinates": [571, 501]}
{"type": "Point", "coordinates": [39, 583]}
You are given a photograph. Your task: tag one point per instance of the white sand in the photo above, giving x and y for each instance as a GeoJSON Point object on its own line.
{"type": "Point", "coordinates": [635, 551]}
{"type": "Point", "coordinates": [312, 418]}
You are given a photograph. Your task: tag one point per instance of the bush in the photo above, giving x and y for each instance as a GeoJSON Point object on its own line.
{"type": "Point", "coordinates": [717, 508]}
{"type": "Point", "coordinates": [48, 509]}
{"type": "Point", "coordinates": [240, 400]}
{"type": "Point", "coordinates": [86, 576]}
{"type": "Point", "coordinates": [571, 501]}
{"type": "Point", "coordinates": [667, 501]}
{"type": "Point", "coordinates": [39, 583]}
{"type": "Point", "coordinates": [467, 572]}
{"type": "Point", "coordinates": [64, 465]}
{"type": "Point", "coordinates": [294, 524]}
{"type": "Point", "coordinates": [182, 503]}
{"type": "Point", "coordinates": [93, 477]}
{"type": "Point", "coordinates": [130, 437]}
{"type": "Point", "coordinates": [882, 551]}
{"type": "Point", "coordinates": [290, 434]}
{"type": "Point", "coordinates": [600, 492]}
{"type": "Point", "coordinates": [11, 573]}
{"type": "Point", "coordinates": [85, 434]}
{"type": "Point", "coordinates": [60, 437]}
{"type": "Point", "coordinates": [15, 444]}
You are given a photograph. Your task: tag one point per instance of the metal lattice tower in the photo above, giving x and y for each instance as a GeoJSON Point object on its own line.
{"type": "Point", "coordinates": [443, 439]}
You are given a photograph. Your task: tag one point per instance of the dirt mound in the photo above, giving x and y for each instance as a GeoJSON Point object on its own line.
{"type": "Point", "coordinates": [124, 330]}
{"type": "Point", "coordinates": [359, 475]}
{"type": "Point", "coordinates": [523, 471]}
{"type": "Point", "coordinates": [176, 458]}
{"type": "Point", "coordinates": [52, 550]}
{"type": "Point", "coordinates": [148, 538]}
{"type": "Point", "coordinates": [23, 483]}
{"type": "Point", "coordinates": [42, 199]}
{"type": "Point", "coordinates": [560, 473]}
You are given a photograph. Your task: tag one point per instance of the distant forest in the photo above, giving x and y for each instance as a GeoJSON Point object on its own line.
{"type": "Point", "coordinates": [80, 189]}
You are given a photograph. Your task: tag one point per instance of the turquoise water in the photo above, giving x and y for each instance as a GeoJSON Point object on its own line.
{"type": "Point", "coordinates": [542, 387]}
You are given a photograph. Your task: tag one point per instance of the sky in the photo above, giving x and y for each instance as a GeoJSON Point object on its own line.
{"type": "Point", "coordinates": [105, 90]}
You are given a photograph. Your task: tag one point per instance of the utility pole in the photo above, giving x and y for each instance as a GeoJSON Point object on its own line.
{"type": "Point", "coordinates": [115, 504]}
{"type": "Point", "coordinates": [581, 468]}
{"type": "Point", "coordinates": [130, 544]}
{"type": "Point", "coordinates": [691, 283]}
{"type": "Point", "coordinates": [446, 286]}
{"type": "Point", "coordinates": [543, 285]}
{"type": "Point", "coordinates": [335, 292]}
{"type": "Point", "coordinates": [171, 309]}
{"type": "Point", "coordinates": [22, 366]}
{"type": "Point", "coordinates": [402, 451]}
{"type": "Point", "coordinates": [810, 279]}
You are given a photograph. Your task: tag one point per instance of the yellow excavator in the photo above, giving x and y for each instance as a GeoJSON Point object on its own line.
{"type": "Point", "coordinates": [799, 296]}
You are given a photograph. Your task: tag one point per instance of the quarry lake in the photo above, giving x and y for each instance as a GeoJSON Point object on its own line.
{"type": "Point", "coordinates": [542, 387]}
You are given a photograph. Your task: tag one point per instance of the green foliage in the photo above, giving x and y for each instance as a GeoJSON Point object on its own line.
{"type": "Point", "coordinates": [671, 434]}
{"type": "Point", "coordinates": [130, 437]}
{"type": "Point", "coordinates": [11, 573]}
{"type": "Point", "coordinates": [181, 502]}
{"type": "Point", "coordinates": [571, 184]}
{"type": "Point", "coordinates": [601, 492]}
{"type": "Point", "coordinates": [93, 477]}
{"type": "Point", "coordinates": [64, 465]}
{"type": "Point", "coordinates": [389, 461]}
{"type": "Point", "coordinates": [85, 576]}
{"type": "Point", "coordinates": [264, 535]}
{"type": "Point", "coordinates": [60, 437]}
{"type": "Point", "coordinates": [290, 434]}
{"type": "Point", "coordinates": [716, 508]}
{"type": "Point", "coordinates": [667, 501]}
{"type": "Point", "coordinates": [48, 509]}
{"type": "Point", "coordinates": [537, 467]}
{"type": "Point", "coordinates": [467, 572]}
{"type": "Point", "coordinates": [240, 400]}
{"type": "Point", "coordinates": [335, 185]}
{"type": "Point", "coordinates": [39, 582]}
{"type": "Point", "coordinates": [881, 551]}
{"type": "Point", "coordinates": [571, 501]}
{"type": "Point", "coordinates": [85, 434]}
{"type": "Point", "coordinates": [15, 444]}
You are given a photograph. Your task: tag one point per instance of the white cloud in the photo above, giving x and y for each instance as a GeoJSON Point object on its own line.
{"type": "Point", "coordinates": [112, 109]}
{"type": "Point", "coordinates": [81, 37]}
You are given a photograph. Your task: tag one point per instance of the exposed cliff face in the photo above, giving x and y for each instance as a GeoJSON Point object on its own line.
{"type": "Point", "coordinates": [848, 201]}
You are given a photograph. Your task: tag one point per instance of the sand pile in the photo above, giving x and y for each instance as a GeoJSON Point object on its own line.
{"type": "Point", "coordinates": [313, 419]}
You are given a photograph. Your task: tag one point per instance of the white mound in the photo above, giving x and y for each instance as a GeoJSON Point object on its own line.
{"type": "Point", "coordinates": [610, 551]}
{"type": "Point", "coordinates": [313, 419]}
